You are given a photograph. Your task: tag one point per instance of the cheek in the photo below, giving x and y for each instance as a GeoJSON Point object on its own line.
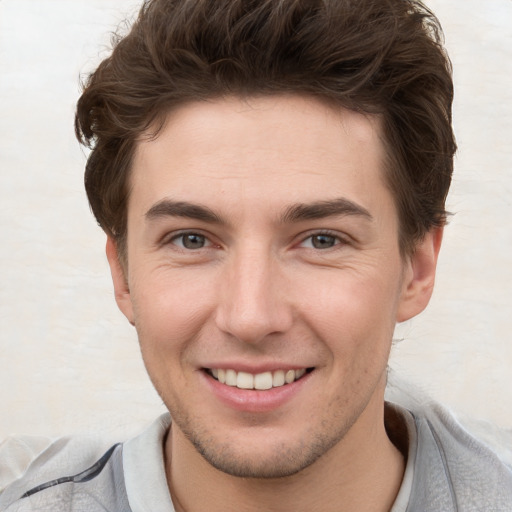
{"type": "Point", "coordinates": [353, 312]}
{"type": "Point", "coordinates": [170, 308]}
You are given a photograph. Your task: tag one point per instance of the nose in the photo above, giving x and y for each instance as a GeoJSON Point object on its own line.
{"type": "Point", "coordinates": [254, 303]}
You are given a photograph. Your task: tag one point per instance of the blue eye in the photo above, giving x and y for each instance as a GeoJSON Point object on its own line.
{"type": "Point", "coordinates": [191, 241]}
{"type": "Point", "coordinates": [321, 241]}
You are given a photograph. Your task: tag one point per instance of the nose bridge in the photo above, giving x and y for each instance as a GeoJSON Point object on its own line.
{"type": "Point", "coordinates": [252, 304]}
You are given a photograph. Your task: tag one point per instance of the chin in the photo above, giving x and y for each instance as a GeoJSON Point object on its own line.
{"type": "Point", "coordinates": [265, 460]}
{"type": "Point", "coordinates": [278, 465]}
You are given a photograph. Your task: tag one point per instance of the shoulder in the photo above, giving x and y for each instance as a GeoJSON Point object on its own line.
{"type": "Point", "coordinates": [85, 474]}
{"type": "Point", "coordinates": [40, 474]}
{"type": "Point", "coordinates": [457, 468]}
{"type": "Point", "coordinates": [453, 465]}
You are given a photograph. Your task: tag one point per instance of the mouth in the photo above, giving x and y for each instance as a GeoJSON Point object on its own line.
{"type": "Point", "coordinates": [259, 381]}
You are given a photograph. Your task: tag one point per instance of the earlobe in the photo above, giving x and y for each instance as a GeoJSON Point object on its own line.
{"type": "Point", "coordinates": [119, 279]}
{"type": "Point", "coordinates": [419, 276]}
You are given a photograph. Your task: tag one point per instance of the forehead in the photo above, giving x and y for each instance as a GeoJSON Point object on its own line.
{"type": "Point", "coordinates": [260, 151]}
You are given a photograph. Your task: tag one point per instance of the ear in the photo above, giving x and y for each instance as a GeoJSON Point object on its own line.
{"type": "Point", "coordinates": [121, 288]}
{"type": "Point", "coordinates": [419, 276]}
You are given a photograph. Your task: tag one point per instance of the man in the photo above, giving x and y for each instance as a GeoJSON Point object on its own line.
{"type": "Point", "coordinates": [271, 176]}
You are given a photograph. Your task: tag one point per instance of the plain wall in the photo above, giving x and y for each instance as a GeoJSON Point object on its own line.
{"type": "Point", "coordinates": [69, 362]}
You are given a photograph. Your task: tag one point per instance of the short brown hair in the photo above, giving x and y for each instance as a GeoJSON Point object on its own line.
{"type": "Point", "coordinates": [381, 57]}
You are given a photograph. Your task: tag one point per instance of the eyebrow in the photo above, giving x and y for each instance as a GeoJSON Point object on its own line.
{"type": "Point", "coordinates": [321, 209]}
{"type": "Point", "coordinates": [293, 213]}
{"type": "Point", "coordinates": [169, 208]}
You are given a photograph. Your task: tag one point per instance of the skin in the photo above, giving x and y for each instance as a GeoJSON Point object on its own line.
{"type": "Point", "coordinates": [259, 284]}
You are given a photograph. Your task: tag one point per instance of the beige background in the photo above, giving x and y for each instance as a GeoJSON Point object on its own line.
{"type": "Point", "coordinates": [69, 362]}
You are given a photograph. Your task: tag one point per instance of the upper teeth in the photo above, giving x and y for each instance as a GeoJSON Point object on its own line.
{"type": "Point", "coordinates": [260, 381]}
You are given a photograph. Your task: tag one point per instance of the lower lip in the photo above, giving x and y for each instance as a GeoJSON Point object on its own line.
{"type": "Point", "coordinates": [253, 400]}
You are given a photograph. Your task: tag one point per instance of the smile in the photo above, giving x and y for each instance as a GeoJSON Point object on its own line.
{"type": "Point", "coordinates": [259, 381]}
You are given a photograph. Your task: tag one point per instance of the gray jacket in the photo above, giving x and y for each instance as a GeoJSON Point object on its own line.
{"type": "Point", "coordinates": [449, 470]}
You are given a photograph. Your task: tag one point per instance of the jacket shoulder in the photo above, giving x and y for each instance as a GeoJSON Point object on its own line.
{"type": "Point", "coordinates": [81, 471]}
{"type": "Point", "coordinates": [454, 468]}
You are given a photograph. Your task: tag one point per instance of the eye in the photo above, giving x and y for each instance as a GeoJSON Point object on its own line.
{"type": "Point", "coordinates": [321, 241]}
{"type": "Point", "coordinates": [191, 241]}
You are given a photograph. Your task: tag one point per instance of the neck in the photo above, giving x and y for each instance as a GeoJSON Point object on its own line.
{"type": "Point", "coordinates": [363, 472]}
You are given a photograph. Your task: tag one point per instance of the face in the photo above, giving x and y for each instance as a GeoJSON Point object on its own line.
{"type": "Point", "coordinates": [264, 278]}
